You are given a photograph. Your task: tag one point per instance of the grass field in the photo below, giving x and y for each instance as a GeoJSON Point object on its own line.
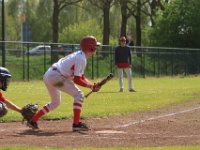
{"type": "Point", "coordinates": [152, 93]}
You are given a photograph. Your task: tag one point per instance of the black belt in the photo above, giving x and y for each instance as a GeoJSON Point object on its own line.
{"type": "Point", "coordinates": [54, 68]}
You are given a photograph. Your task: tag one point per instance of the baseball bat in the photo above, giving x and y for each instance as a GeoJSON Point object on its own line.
{"type": "Point", "coordinates": [101, 83]}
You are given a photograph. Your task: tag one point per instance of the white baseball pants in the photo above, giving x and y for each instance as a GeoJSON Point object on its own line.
{"type": "Point", "coordinates": [129, 76]}
{"type": "Point", "coordinates": [56, 83]}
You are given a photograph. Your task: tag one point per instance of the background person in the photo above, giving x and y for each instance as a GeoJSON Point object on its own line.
{"type": "Point", "coordinates": [4, 82]}
{"type": "Point", "coordinates": [63, 76]}
{"type": "Point", "coordinates": [123, 63]}
{"type": "Point", "coordinates": [129, 40]}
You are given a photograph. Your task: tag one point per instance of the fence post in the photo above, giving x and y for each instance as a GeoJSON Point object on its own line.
{"type": "Point", "coordinates": [198, 63]}
{"type": "Point", "coordinates": [185, 67]}
{"type": "Point", "coordinates": [23, 61]}
{"type": "Point", "coordinates": [113, 56]}
{"type": "Point", "coordinates": [144, 71]}
{"type": "Point", "coordinates": [172, 63]}
{"type": "Point", "coordinates": [154, 63]}
{"type": "Point", "coordinates": [97, 58]}
{"type": "Point", "coordinates": [51, 53]}
{"type": "Point", "coordinates": [158, 63]}
{"type": "Point", "coordinates": [44, 60]}
{"type": "Point", "coordinates": [3, 35]}
{"type": "Point", "coordinates": [28, 62]}
{"type": "Point", "coordinates": [141, 62]}
{"type": "Point", "coordinates": [111, 61]}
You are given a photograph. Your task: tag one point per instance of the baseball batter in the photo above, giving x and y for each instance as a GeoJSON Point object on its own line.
{"type": "Point", "coordinates": [63, 76]}
{"type": "Point", "coordinates": [4, 82]}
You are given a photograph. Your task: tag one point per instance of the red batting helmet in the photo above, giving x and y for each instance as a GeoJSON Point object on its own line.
{"type": "Point", "coordinates": [89, 44]}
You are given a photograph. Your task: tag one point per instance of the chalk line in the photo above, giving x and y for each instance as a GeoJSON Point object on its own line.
{"type": "Point", "coordinates": [157, 117]}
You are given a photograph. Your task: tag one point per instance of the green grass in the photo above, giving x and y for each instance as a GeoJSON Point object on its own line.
{"type": "Point", "coordinates": [152, 93]}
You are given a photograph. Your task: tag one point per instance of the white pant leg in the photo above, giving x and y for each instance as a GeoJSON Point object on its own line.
{"type": "Point", "coordinates": [70, 88]}
{"type": "Point", "coordinates": [55, 83]}
{"type": "Point", "coordinates": [54, 93]}
{"type": "Point", "coordinates": [120, 75]}
{"type": "Point", "coordinates": [129, 76]}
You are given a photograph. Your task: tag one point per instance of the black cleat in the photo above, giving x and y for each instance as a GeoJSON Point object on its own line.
{"type": "Point", "coordinates": [32, 125]}
{"type": "Point", "coordinates": [121, 90]}
{"type": "Point", "coordinates": [132, 90]}
{"type": "Point", "coordinates": [80, 127]}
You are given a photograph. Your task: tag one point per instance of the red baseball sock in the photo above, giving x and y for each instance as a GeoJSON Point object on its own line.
{"type": "Point", "coordinates": [77, 113]}
{"type": "Point", "coordinates": [40, 113]}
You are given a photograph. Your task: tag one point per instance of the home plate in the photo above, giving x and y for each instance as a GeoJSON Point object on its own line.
{"type": "Point", "coordinates": [109, 132]}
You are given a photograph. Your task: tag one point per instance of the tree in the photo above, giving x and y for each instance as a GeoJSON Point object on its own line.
{"type": "Point", "coordinates": [154, 6]}
{"type": "Point", "coordinates": [105, 6]}
{"type": "Point", "coordinates": [137, 8]}
{"type": "Point", "coordinates": [90, 27]}
{"type": "Point", "coordinates": [13, 24]}
{"type": "Point", "coordinates": [58, 6]}
{"type": "Point", "coordinates": [178, 26]}
{"type": "Point", "coordinates": [125, 15]}
{"type": "Point", "coordinates": [41, 21]}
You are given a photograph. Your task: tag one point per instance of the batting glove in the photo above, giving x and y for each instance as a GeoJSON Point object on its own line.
{"type": "Point", "coordinates": [96, 87]}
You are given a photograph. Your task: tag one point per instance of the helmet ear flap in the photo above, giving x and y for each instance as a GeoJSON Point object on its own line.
{"type": "Point", "coordinates": [4, 77]}
{"type": "Point", "coordinates": [92, 49]}
{"type": "Point", "coordinates": [5, 83]}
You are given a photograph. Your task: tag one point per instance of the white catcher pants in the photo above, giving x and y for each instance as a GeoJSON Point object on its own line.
{"type": "Point", "coordinates": [129, 76]}
{"type": "Point", "coordinates": [56, 83]}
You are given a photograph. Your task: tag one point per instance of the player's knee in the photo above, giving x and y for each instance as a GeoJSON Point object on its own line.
{"type": "Point", "coordinates": [79, 96]}
{"type": "Point", "coordinates": [53, 105]}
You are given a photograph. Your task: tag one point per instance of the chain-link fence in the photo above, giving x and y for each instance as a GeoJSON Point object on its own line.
{"type": "Point", "coordinates": [30, 60]}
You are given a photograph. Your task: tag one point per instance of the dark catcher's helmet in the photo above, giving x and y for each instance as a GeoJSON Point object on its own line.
{"type": "Point", "coordinates": [4, 77]}
{"type": "Point", "coordinates": [89, 44]}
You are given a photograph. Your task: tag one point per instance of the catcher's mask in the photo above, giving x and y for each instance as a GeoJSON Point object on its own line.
{"type": "Point", "coordinates": [4, 78]}
{"type": "Point", "coordinates": [89, 44]}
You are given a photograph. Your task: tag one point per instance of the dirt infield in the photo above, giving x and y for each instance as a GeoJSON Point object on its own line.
{"type": "Point", "coordinates": [172, 126]}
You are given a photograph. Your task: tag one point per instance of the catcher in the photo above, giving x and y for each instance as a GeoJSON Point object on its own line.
{"type": "Point", "coordinates": [27, 111]}
{"type": "Point", "coordinates": [5, 103]}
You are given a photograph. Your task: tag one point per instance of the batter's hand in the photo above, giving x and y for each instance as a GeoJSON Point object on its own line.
{"type": "Point", "coordinates": [96, 87]}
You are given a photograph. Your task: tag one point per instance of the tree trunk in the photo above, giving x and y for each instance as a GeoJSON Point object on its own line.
{"type": "Point", "coordinates": [124, 17]}
{"type": "Point", "coordinates": [138, 28]}
{"type": "Point", "coordinates": [55, 29]}
{"type": "Point", "coordinates": [106, 29]}
{"type": "Point", "coordinates": [138, 24]}
{"type": "Point", "coordinates": [106, 24]}
{"type": "Point", "coordinates": [138, 31]}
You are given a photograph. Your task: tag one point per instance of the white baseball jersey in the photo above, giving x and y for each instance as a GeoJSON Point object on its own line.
{"type": "Point", "coordinates": [72, 65]}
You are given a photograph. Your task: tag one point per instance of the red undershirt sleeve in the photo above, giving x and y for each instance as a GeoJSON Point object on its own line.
{"type": "Point", "coordinates": [82, 81]}
{"type": "Point", "coordinates": [2, 98]}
